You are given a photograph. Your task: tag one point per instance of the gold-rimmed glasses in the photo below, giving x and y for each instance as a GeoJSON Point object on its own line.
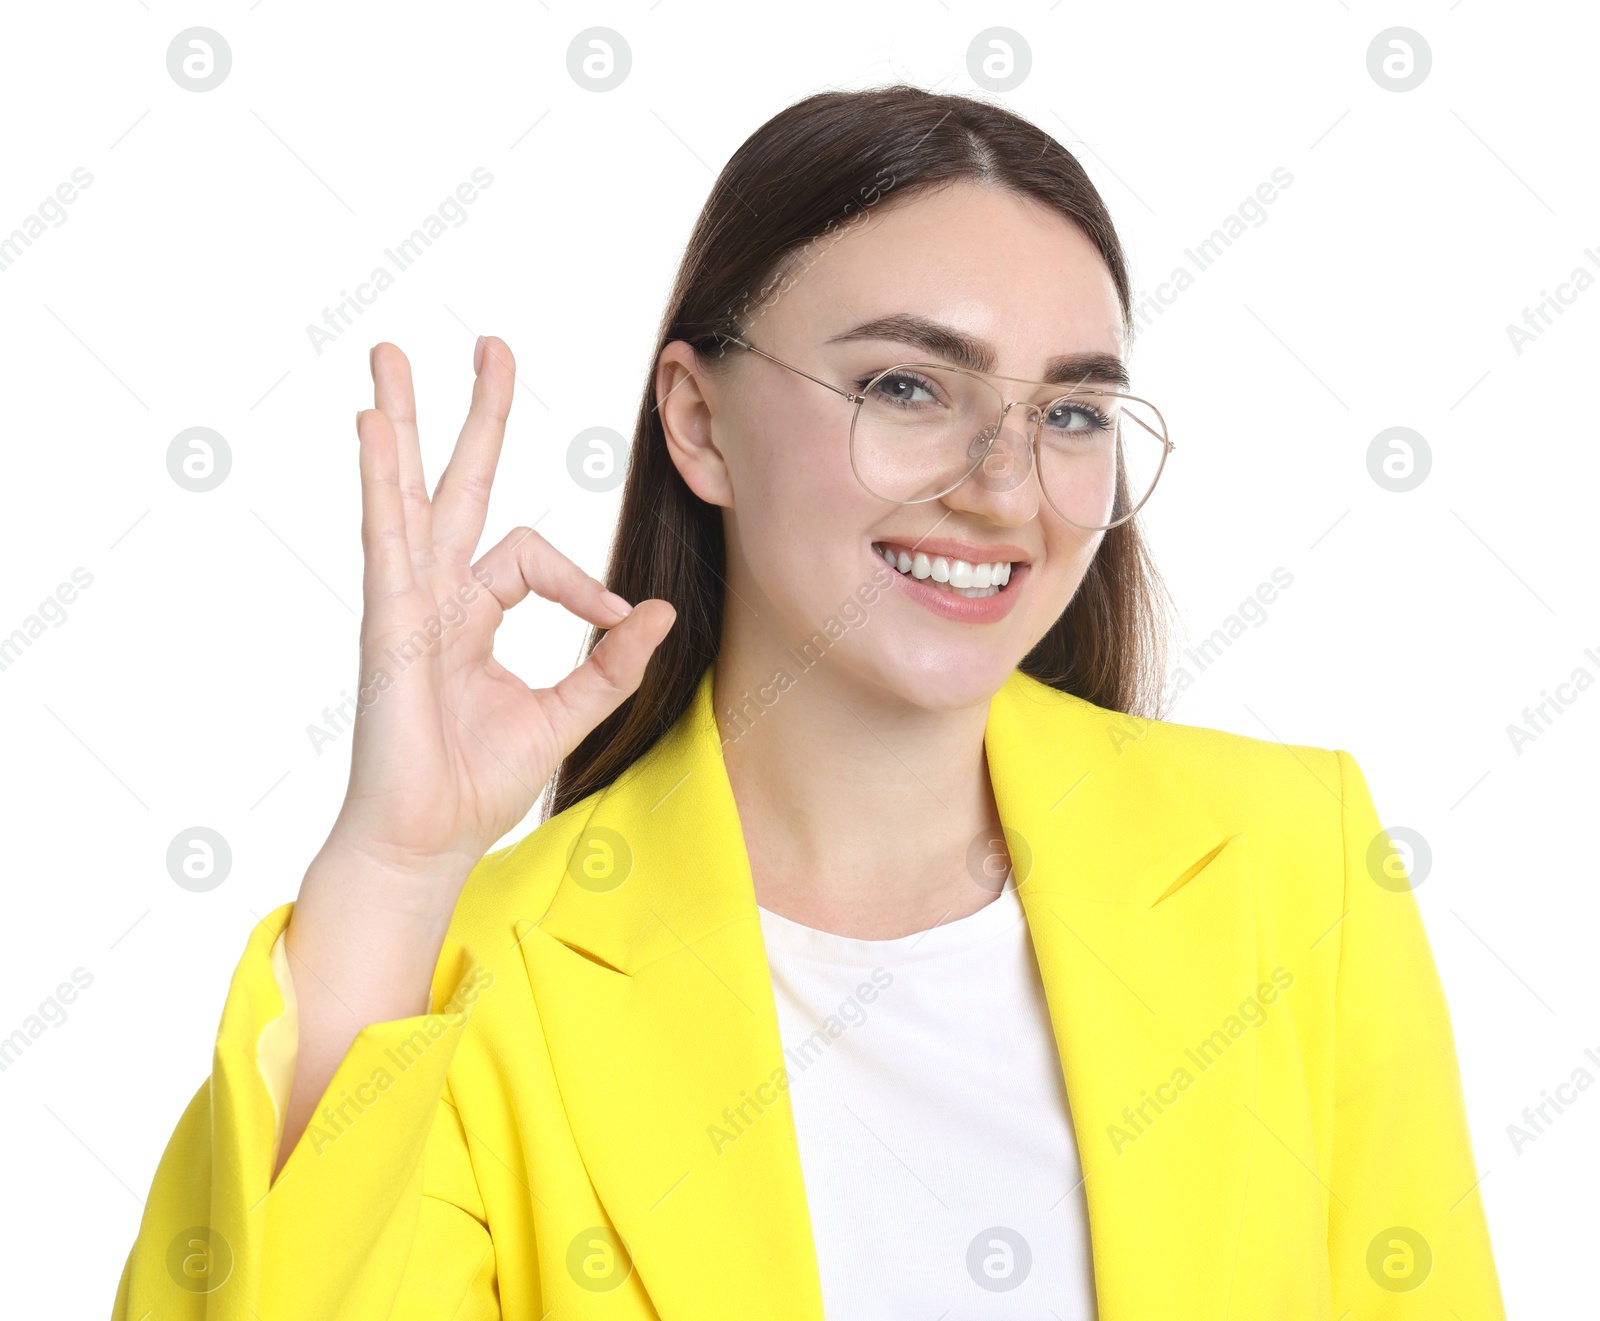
{"type": "Point", "coordinates": [921, 429]}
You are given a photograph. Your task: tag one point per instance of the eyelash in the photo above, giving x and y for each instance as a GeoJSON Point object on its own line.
{"type": "Point", "coordinates": [1100, 419]}
{"type": "Point", "coordinates": [863, 382]}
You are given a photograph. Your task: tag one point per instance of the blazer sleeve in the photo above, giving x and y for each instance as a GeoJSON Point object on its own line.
{"type": "Point", "coordinates": [376, 1213]}
{"type": "Point", "coordinates": [1407, 1237]}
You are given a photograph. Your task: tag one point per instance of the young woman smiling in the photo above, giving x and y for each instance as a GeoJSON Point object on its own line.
{"type": "Point", "coordinates": [892, 967]}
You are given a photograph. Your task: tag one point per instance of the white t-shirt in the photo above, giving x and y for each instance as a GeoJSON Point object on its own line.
{"type": "Point", "coordinates": [935, 1140]}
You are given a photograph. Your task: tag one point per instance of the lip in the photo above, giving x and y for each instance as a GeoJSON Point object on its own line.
{"type": "Point", "coordinates": [969, 551]}
{"type": "Point", "coordinates": [949, 605]}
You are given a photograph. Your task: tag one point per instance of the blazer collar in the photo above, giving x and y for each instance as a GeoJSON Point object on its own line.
{"type": "Point", "coordinates": [651, 983]}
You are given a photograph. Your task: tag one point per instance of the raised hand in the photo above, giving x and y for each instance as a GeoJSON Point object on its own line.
{"type": "Point", "coordinates": [455, 750]}
{"type": "Point", "coordinates": [450, 748]}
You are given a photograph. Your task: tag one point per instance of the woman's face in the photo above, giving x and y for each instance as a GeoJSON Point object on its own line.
{"type": "Point", "coordinates": [1022, 287]}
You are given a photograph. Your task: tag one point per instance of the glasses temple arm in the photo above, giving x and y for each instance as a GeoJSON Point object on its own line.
{"type": "Point", "coordinates": [853, 398]}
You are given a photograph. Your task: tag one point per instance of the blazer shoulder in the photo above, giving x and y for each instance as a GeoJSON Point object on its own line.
{"type": "Point", "coordinates": [1201, 762]}
{"type": "Point", "coordinates": [1248, 757]}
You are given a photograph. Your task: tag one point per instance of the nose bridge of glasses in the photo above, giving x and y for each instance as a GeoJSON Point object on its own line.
{"type": "Point", "coordinates": [1031, 415]}
{"type": "Point", "coordinates": [987, 435]}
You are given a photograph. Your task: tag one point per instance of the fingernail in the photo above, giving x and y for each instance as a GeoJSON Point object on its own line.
{"type": "Point", "coordinates": [477, 357]}
{"type": "Point", "coordinates": [622, 608]}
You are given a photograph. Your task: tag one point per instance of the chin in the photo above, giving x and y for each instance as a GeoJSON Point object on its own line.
{"type": "Point", "coordinates": [943, 677]}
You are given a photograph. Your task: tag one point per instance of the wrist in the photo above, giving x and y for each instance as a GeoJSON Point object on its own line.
{"type": "Point", "coordinates": [359, 952]}
{"type": "Point", "coordinates": [367, 902]}
{"type": "Point", "coordinates": [418, 887]}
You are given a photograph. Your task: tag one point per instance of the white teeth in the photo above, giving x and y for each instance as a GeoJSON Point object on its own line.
{"type": "Point", "coordinates": [971, 580]}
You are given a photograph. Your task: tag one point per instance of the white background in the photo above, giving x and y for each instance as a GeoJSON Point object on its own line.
{"type": "Point", "coordinates": [1377, 293]}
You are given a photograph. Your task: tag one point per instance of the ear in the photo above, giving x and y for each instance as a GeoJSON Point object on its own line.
{"type": "Point", "coordinates": [686, 398]}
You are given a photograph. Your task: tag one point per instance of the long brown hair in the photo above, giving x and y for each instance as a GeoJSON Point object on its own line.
{"type": "Point", "coordinates": [814, 166]}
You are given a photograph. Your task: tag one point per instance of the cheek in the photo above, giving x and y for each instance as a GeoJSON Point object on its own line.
{"type": "Point", "coordinates": [1068, 557]}
{"type": "Point", "coordinates": [796, 502]}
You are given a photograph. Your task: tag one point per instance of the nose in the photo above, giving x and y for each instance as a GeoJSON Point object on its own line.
{"type": "Point", "coordinates": [1003, 487]}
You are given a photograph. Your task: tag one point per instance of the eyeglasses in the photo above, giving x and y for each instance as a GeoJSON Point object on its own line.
{"type": "Point", "coordinates": [921, 429]}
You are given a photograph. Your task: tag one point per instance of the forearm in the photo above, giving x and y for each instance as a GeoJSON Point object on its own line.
{"type": "Point", "coordinates": [363, 942]}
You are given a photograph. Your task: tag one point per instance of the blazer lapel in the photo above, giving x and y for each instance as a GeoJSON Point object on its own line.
{"type": "Point", "coordinates": [1141, 909]}
{"type": "Point", "coordinates": [651, 983]}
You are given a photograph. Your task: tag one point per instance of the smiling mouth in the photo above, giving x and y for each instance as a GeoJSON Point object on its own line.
{"type": "Point", "coordinates": [958, 577]}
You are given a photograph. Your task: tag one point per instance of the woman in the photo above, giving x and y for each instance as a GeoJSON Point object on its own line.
{"type": "Point", "coordinates": [877, 958]}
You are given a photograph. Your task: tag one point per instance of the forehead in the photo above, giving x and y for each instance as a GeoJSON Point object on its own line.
{"type": "Point", "coordinates": [985, 260]}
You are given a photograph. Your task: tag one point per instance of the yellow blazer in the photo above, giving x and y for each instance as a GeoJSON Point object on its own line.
{"type": "Point", "coordinates": [1254, 1041]}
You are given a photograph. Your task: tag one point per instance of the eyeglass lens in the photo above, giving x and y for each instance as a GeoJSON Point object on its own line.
{"type": "Point", "coordinates": [921, 430]}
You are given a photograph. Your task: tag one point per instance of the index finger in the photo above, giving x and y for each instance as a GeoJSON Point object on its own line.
{"type": "Point", "coordinates": [525, 562]}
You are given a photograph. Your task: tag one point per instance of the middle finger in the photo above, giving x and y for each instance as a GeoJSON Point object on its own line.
{"type": "Point", "coordinates": [461, 500]}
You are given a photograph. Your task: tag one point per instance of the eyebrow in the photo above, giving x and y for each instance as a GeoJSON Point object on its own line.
{"type": "Point", "coordinates": [968, 351]}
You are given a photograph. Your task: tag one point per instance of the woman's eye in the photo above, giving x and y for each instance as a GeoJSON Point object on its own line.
{"type": "Point", "coordinates": [903, 389]}
{"type": "Point", "coordinates": [1074, 417]}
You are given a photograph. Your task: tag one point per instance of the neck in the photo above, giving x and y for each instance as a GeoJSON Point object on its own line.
{"type": "Point", "coordinates": [860, 810]}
